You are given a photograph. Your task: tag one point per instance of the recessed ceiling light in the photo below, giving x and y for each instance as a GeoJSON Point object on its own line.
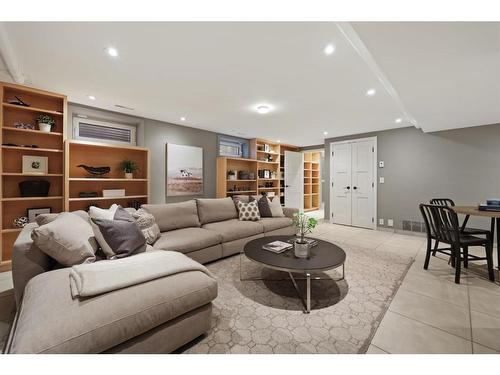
{"type": "Point", "coordinates": [398, 121]}
{"type": "Point", "coordinates": [112, 51]}
{"type": "Point", "coordinates": [329, 49]}
{"type": "Point", "coordinates": [370, 92]}
{"type": "Point", "coordinates": [325, 133]}
{"type": "Point", "coordinates": [263, 109]}
{"type": "Point", "coordinates": [91, 97]}
{"type": "Point", "coordinates": [183, 119]}
{"type": "Point", "coordinates": [278, 141]}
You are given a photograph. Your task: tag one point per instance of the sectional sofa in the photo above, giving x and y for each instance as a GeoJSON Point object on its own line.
{"type": "Point", "coordinates": [156, 316]}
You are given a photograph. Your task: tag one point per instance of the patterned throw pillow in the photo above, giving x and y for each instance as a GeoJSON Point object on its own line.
{"type": "Point", "coordinates": [147, 225]}
{"type": "Point", "coordinates": [248, 211]}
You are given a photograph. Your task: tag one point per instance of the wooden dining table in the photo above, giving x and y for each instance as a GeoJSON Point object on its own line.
{"type": "Point", "coordinates": [469, 211]}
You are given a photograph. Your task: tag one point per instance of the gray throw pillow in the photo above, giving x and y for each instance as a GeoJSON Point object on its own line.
{"type": "Point", "coordinates": [121, 236]}
{"type": "Point", "coordinates": [68, 239]}
{"type": "Point", "coordinates": [270, 207]}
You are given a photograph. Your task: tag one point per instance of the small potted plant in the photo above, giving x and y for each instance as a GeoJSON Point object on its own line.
{"type": "Point", "coordinates": [231, 174]}
{"type": "Point", "coordinates": [304, 225]}
{"type": "Point", "coordinates": [129, 166]}
{"type": "Point", "coordinates": [45, 123]}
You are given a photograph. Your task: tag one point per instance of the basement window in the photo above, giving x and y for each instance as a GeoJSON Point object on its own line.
{"type": "Point", "coordinates": [86, 129]}
{"type": "Point", "coordinates": [232, 146]}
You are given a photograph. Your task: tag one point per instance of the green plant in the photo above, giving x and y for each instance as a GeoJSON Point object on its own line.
{"type": "Point", "coordinates": [129, 166]}
{"type": "Point", "coordinates": [304, 224]}
{"type": "Point", "coordinates": [45, 119]}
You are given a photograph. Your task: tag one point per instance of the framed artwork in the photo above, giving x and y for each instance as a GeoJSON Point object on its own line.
{"type": "Point", "coordinates": [35, 164]}
{"type": "Point", "coordinates": [184, 170]}
{"type": "Point", "coordinates": [32, 213]}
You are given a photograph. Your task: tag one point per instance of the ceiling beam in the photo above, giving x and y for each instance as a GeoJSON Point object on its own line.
{"type": "Point", "coordinates": [355, 41]}
{"type": "Point", "coordinates": [9, 57]}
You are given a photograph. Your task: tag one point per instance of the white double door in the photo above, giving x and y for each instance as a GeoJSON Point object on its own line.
{"type": "Point", "coordinates": [352, 185]}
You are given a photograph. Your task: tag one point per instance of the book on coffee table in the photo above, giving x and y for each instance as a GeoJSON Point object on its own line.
{"type": "Point", "coordinates": [277, 246]}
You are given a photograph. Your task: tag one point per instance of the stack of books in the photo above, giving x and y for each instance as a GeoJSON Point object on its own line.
{"type": "Point", "coordinates": [311, 241]}
{"type": "Point", "coordinates": [491, 205]}
{"type": "Point", "coordinates": [277, 246]}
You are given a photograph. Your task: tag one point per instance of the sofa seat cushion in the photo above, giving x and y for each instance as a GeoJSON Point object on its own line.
{"type": "Point", "coordinates": [50, 321]}
{"type": "Point", "coordinates": [187, 239]}
{"type": "Point", "coordinates": [273, 223]}
{"type": "Point", "coordinates": [235, 229]}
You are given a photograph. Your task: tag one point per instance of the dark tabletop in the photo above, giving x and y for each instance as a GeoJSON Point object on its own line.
{"type": "Point", "coordinates": [324, 256]}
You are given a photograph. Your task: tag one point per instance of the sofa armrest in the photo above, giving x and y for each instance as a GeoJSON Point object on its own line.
{"type": "Point", "coordinates": [27, 261]}
{"type": "Point", "coordinates": [288, 211]}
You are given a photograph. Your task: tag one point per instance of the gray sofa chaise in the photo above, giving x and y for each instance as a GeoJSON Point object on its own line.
{"type": "Point", "coordinates": [157, 316]}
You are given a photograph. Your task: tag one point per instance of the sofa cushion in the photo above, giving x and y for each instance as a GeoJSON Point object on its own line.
{"type": "Point", "coordinates": [218, 209]}
{"type": "Point", "coordinates": [273, 223]}
{"type": "Point", "coordinates": [234, 229]}
{"type": "Point", "coordinates": [186, 240]}
{"type": "Point", "coordinates": [170, 216]}
{"type": "Point", "coordinates": [50, 321]}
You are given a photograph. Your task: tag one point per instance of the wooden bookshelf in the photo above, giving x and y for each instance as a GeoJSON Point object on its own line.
{"type": "Point", "coordinates": [312, 180]}
{"type": "Point", "coordinates": [50, 145]}
{"type": "Point", "coordinates": [226, 186]}
{"type": "Point", "coordinates": [77, 180]}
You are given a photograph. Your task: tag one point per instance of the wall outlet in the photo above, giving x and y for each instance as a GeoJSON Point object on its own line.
{"type": "Point", "coordinates": [380, 221]}
{"type": "Point", "coordinates": [381, 164]}
{"type": "Point", "coordinates": [390, 222]}
{"type": "Point", "coordinates": [382, 180]}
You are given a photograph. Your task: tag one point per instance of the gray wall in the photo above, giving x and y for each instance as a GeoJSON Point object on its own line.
{"type": "Point", "coordinates": [462, 164]}
{"type": "Point", "coordinates": [154, 135]}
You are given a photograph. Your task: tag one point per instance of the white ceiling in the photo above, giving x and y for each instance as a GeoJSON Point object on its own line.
{"type": "Point", "coordinates": [214, 74]}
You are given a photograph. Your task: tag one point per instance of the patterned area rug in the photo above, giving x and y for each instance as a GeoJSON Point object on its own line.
{"type": "Point", "coordinates": [267, 317]}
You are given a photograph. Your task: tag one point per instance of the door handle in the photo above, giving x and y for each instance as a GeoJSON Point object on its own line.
{"type": "Point", "coordinates": [354, 187]}
{"type": "Point", "coordinates": [348, 187]}
{"type": "Point", "coordinates": [287, 185]}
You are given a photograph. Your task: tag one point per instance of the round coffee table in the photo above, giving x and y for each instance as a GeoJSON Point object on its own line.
{"type": "Point", "coordinates": [324, 256]}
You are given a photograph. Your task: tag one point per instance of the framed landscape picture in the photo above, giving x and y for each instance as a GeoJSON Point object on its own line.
{"type": "Point", "coordinates": [184, 170]}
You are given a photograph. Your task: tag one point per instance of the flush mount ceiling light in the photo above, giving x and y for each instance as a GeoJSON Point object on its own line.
{"type": "Point", "coordinates": [325, 133]}
{"type": "Point", "coordinates": [329, 49]}
{"type": "Point", "coordinates": [183, 119]}
{"type": "Point", "coordinates": [278, 141]}
{"type": "Point", "coordinates": [370, 92]}
{"type": "Point", "coordinates": [398, 121]}
{"type": "Point", "coordinates": [91, 97]}
{"type": "Point", "coordinates": [263, 109]}
{"type": "Point", "coordinates": [112, 51]}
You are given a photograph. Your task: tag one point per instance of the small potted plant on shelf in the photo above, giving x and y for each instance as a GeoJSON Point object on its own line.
{"type": "Point", "coordinates": [231, 174]}
{"type": "Point", "coordinates": [305, 225]}
{"type": "Point", "coordinates": [129, 166]}
{"type": "Point", "coordinates": [45, 122]}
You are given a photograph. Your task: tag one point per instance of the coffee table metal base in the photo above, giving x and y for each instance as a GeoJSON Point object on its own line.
{"type": "Point", "coordinates": [305, 302]}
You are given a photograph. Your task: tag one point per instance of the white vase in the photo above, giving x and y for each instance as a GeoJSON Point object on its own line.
{"type": "Point", "coordinates": [129, 176]}
{"type": "Point", "coordinates": [301, 250]}
{"type": "Point", "coordinates": [44, 127]}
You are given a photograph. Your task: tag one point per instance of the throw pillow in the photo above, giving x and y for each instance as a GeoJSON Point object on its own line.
{"type": "Point", "coordinates": [119, 236]}
{"type": "Point", "coordinates": [248, 211]}
{"type": "Point", "coordinates": [270, 207]}
{"type": "Point", "coordinates": [147, 225]}
{"type": "Point", "coordinates": [43, 219]}
{"type": "Point", "coordinates": [68, 239]}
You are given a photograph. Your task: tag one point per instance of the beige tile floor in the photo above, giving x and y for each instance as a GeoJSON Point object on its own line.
{"type": "Point", "coordinates": [429, 313]}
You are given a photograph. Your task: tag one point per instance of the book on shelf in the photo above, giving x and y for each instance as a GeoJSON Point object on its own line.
{"type": "Point", "coordinates": [277, 246]}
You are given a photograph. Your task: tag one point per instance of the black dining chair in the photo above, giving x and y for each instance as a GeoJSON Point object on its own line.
{"type": "Point", "coordinates": [441, 224]}
{"type": "Point", "coordinates": [463, 228]}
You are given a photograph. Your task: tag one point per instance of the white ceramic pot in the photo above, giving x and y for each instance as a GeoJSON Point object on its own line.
{"type": "Point", "coordinates": [129, 176]}
{"type": "Point", "coordinates": [44, 127]}
{"type": "Point", "coordinates": [301, 250]}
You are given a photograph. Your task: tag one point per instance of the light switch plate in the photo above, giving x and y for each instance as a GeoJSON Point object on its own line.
{"type": "Point", "coordinates": [381, 164]}
{"type": "Point", "coordinates": [390, 222]}
{"type": "Point", "coordinates": [382, 180]}
{"type": "Point", "coordinates": [380, 221]}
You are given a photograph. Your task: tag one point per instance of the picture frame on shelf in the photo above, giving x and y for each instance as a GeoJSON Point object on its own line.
{"type": "Point", "coordinates": [35, 164]}
{"type": "Point", "coordinates": [32, 213]}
